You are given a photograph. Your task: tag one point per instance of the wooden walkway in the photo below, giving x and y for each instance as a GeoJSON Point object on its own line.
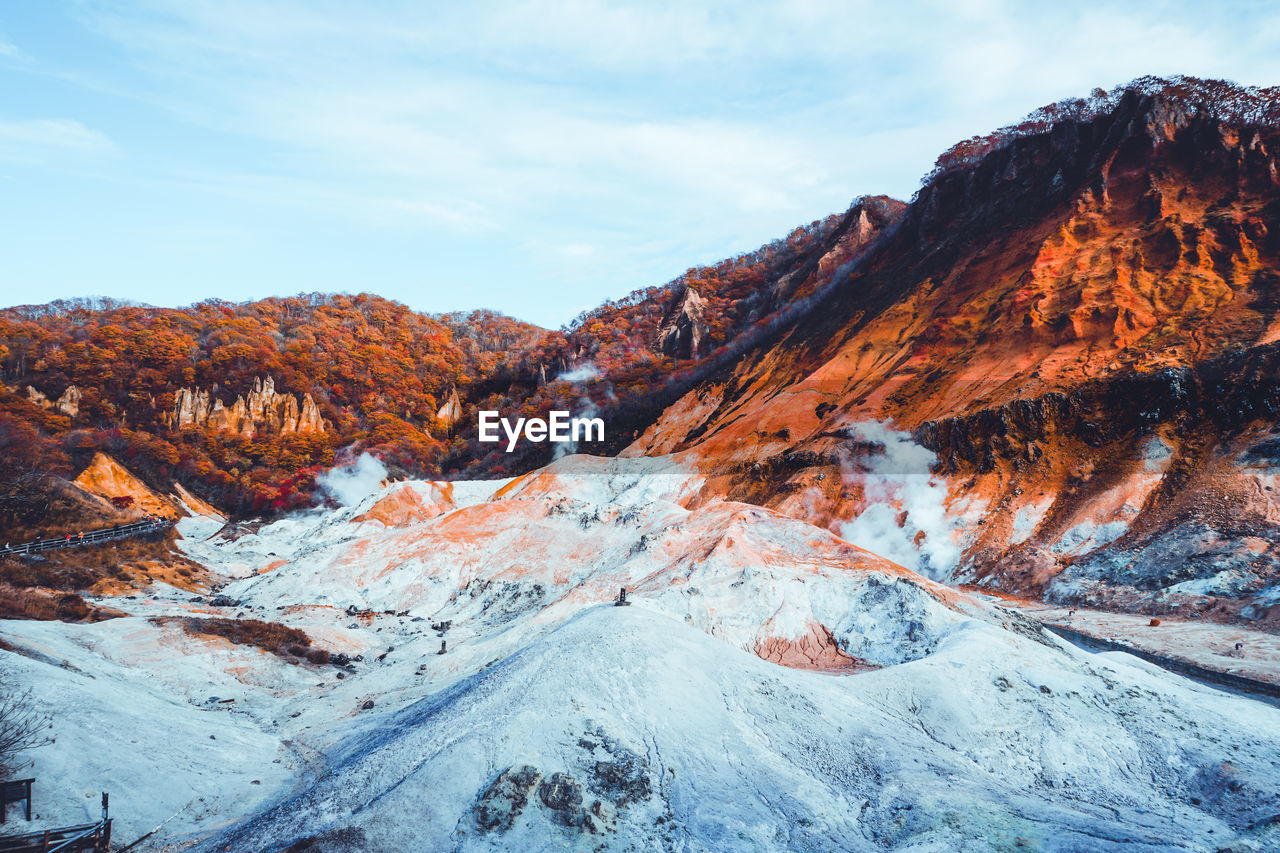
{"type": "Point", "coordinates": [90, 537]}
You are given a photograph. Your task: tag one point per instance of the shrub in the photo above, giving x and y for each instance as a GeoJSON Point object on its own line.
{"type": "Point", "coordinates": [22, 727]}
{"type": "Point", "coordinates": [280, 640]}
{"type": "Point", "coordinates": [72, 607]}
{"type": "Point", "coordinates": [19, 603]}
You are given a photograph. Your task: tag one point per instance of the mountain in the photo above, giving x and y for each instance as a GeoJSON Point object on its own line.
{"type": "Point", "coordinates": [1076, 315]}
{"type": "Point", "coordinates": [244, 403]}
{"type": "Point", "coordinates": [947, 524]}
{"type": "Point", "coordinates": [1080, 323]}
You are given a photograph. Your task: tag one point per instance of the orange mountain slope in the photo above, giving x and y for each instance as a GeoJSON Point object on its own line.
{"type": "Point", "coordinates": [1071, 330]}
{"type": "Point", "coordinates": [1081, 325]}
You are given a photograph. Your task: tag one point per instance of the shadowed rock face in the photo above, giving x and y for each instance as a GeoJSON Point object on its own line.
{"type": "Point", "coordinates": [682, 330]}
{"type": "Point", "coordinates": [349, 840]}
{"type": "Point", "coordinates": [1041, 320]}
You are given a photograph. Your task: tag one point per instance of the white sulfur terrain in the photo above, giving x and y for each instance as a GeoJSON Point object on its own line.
{"type": "Point", "coordinates": [770, 687]}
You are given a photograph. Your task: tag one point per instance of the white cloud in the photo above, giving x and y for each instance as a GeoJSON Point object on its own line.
{"type": "Point", "coordinates": [660, 134]}
{"type": "Point", "coordinates": [387, 209]}
{"type": "Point", "coordinates": [38, 139]}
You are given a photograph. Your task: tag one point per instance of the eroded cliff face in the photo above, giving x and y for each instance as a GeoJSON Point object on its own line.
{"type": "Point", "coordinates": [682, 330]}
{"type": "Point", "coordinates": [107, 478]}
{"type": "Point", "coordinates": [68, 403]}
{"type": "Point", "coordinates": [1082, 328]}
{"type": "Point", "coordinates": [263, 410]}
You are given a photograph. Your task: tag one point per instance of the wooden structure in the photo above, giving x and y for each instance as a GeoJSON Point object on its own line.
{"type": "Point", "coordinates": [89, 838]}
{"type": "Point", "coordinates": [15, 792]}
{"type": "Point", "coordinates": [108, 534]}
{"type": "Point", "coordinates": [85, 838]}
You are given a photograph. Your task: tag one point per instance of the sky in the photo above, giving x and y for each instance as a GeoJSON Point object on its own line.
{"type": "Point", "coordinates": [533, 158]}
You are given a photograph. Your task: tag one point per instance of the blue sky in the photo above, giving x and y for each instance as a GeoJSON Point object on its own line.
{"type": "Point", "coordinates": [536, 158]}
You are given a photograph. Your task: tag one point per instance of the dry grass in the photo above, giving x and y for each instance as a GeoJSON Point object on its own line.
{"type": "Point", "coordinates": [126, 563]}
{"type": "Point", "coordinates": [47, 605]}
{"type": "Point", "coordinates": [36, 507]}
{"type": "Point", "coordinates": [280, 640]}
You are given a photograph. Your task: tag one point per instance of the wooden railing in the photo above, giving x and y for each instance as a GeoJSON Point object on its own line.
{"type": "Point", "coordinates": [15, 791]}
{"type": "Point", "coordinates": [85, 838]}
{"type": "Point", "coordinates": [75, 540]}
{"type": "Point", "coordinates": [95, 837]}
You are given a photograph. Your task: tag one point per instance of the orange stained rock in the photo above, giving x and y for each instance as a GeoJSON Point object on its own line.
{"type": "Point", "coordinates": [108, 479]}
{"type": "Point", "coordinates": [816, 649]}
{"type": "Point", "coordinates": [406, 504]}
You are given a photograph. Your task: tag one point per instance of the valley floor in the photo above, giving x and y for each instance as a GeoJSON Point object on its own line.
{"type": "Point", "coordinates": [1210, 645]}
{"type": "Point", "coordinates": [772, 687]}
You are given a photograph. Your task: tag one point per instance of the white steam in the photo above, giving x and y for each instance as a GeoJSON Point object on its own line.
{"type": "Point", "coordinates": [584, 372]}
{"type": "Point", "coordinates": [905, 519]}
{"type": "Point", "coordinates": [586, 408]}
{"type": "Point", "coordinates": [353, 482]}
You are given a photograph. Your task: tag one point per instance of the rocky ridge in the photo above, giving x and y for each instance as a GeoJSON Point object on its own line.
{"type": "Point", "coordinates": [262, 410]}
{"type": "Point", "coordinates": [1080, 327]}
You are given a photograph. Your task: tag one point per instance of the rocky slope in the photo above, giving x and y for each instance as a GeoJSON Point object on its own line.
{"type": "Point", "coordinates": [1081, 325]}
{"type": "Point", "coordinates": [904, 715]}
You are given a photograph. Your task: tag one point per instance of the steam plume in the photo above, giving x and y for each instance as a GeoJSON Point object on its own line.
{"type": "Point", "coordinates": [351, 483]}
{"type": "Point", "coordinates": [905, 518]}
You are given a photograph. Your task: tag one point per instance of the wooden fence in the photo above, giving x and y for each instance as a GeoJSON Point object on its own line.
{"type": "Point", "coordinates": [95, 837]}
{"type": "Point", "coordinates": [107, 534]}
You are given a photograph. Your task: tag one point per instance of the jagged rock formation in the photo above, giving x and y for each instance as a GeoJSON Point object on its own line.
{"type": "Point", "coordinates": [68, 403]}
{"type": "Point", "coordinates": [264, 410]}
{"type": "Point", "coordinates": [38, 398]}
{"type": "Point", "coordinates": [451, 411]}
{"type": "Point", "coordinates": [682, 330]}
